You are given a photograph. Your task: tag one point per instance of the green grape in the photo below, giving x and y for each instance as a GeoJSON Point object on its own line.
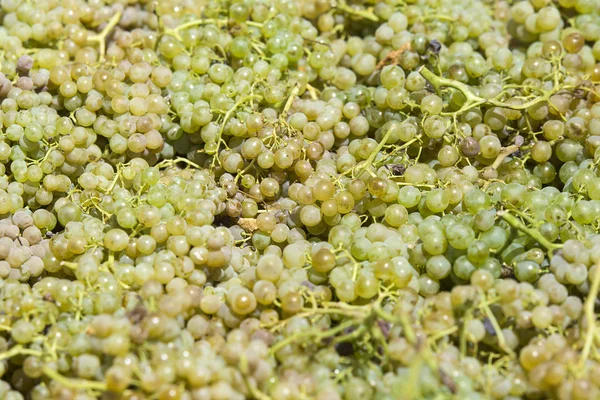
{"type": "Point", "coordinates": [514, 194]}
{"type": "Point", "coordinates": [460, 236]}
{"type": "Point", "coordinates": [478, 251]}
{"type": "Point", "coordinates": [437, 200]}
{"type": "Point", "coordinates": [434, 126]}
{"type": "Point", "coordinates": [438, 267]}
{"type": "Point", "coordinates": [476, 200]}
{"type": "Point", "coordinates": [583, 212]}
{"type": "Point", "coordinates": [435, 244]}
{"type": "Point", "coordinates": [527, 271]}
{"type": "Point", "coordinates": [409, 196]}
{"type": "Point", "coordinates": [463, 268]}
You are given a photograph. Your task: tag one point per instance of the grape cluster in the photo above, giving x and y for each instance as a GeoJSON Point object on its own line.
{"type": "Point", "coordinates": [290, 200]}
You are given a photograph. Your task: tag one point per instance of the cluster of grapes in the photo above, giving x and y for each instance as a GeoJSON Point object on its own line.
{"type": "Point", "coordinates": [289, 200]}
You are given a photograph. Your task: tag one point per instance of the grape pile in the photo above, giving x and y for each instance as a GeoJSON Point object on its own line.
{"type": "Point", "coordinates": [292, 200]}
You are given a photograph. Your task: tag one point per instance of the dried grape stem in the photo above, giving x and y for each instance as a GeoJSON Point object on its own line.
{"type": "Point", "coordinates": [505, 152]}
{"type": "Point", "coordinates": [392, 58]}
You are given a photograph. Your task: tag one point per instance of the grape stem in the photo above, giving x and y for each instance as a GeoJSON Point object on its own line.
{"type": "Point", "coordinates": [463, 336]}
{"type": "Point", "coordinates": [438, 82]}
{"type": "Point", "coordinates": [526, 217]}
{"type": "Point", "coordinates": [307, 312]}
{"type": "Point", "coordinates": [501, 339]}
{"type": "Point", "coordinates": [116, 178]}
{"type": "Point", "coordinates": [360, 317]}
{"type": "Point", "coordinates": [290, 100]}
{"type": "Point", "coordinates": [317, 334]}
{"type": "Point", "coordinates": [73, 383]}
{"type": "Point", "coordinates": [48, 152]}
{"type": "Point", "coordinates": [505, 152]}
{"type": "Point", "coordinates": [356, 333]}
{"type": "Point", "coordinates": [534, 233]}
{"type": "Point", "coordinates": [440, 17]}
{"type": "Point", "coordinates": [366, 14]}
{"type": "Point", "coordinates": [417, 185]}
{"type": "Point", "coordinates": [226, 118]}
{"type": "Point", "coordinates": [413, 390]}
{"type": "Point", "coordinates": [472, 100]}
{"type": "Point", "coordinates": [369, 161]}
{"type": "Point", "coordinates": [100, 38]}
{"type": "Point", "coordinates": [175, 32]}
{"type": "Point", "coordinates": [356, 264]}
{"type": "Point", "coordinates": [398, 148]}
{"type": "Point", "coordinates": [590, 316]}
{"type": "Point", "coordinates": [70, 265]}
{"type": "Point", "coordinates": [312, 91]}
{"type": "Point", "coordinates": [254, 391]}
{"type": "Point", "coordinates": [243, 171]}
{"type": "Point", "coordinates": [19, 350]}
{"type": "Point", "coordinates": [439, 335]}
{"type": "Point", "coordinates": [170, 163]}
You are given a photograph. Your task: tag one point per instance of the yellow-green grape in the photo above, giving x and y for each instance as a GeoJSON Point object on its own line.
{"type": "Point", "coordinates": [269, 268]}
{"type": "Point", "coordinates": [345, 202]}
{"type": "Point", "coordinates": [367, 286]}
{"type": "Point", "coordinates": [346, 290]}
{"type": "Point", "coordinates": [310, 215]}
{"type": "Point", "coordinates": [329, 208]}
{"type": "Point", "coordinates": [292, 302]}
{"type": "Point", "coordinates": [116, 240]}
{"type": "Point", "coordinates": [532, 356]}
{"type": "Point", "coordinates": [23, 331]}
{"type": "Point", "coordinates": [265, 292]}
{"type": "Point", "coordinates": [323, 190]}
{"type": "Point", "coordinates": [242, 301]}
{"type": "Point", "coordinates": [266, 222]}
{"type": "Point", "coordinates": [541, 317]}
{"type": "Point", "coordinates": [475, 330]}
{"type": "Point", "coordinates": [294, 256]}
{"type": "Point", "coordinates": [323, 260]}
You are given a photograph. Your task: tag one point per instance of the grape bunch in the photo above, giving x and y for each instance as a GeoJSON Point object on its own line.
{"type": "Point", "coordinates": [293, 200]}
